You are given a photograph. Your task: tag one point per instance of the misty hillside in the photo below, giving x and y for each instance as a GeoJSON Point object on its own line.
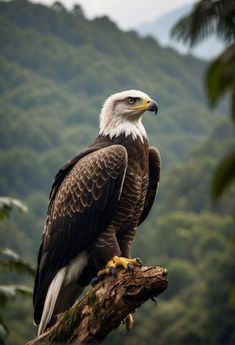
{"type": "Point", "coordinates": [56, 70]}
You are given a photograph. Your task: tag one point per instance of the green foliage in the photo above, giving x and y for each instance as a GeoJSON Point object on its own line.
{"type": "Point", "coordinates": [56, 69]}
{"type": "Point", "coordinates": [188, 187]}
{"type": "Point", "coordinates": [12, 262]}
{"type": "Point", "coordinates": [196, 248]}
{"type": "Point", "coordinates": [7, 293]}
{"type": "Point", "coordinates": [7, 204]}
{"type": "Point", "coordinates": [220, 78]}
{"type": "Point", "coordinates": [224, 175]}
{"type": "Point", "coordinates": [207, 17]}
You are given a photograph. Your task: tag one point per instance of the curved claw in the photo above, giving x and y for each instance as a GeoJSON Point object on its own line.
{"type": "Point", "coordinates": [154, 300]}
{"type": "Point", "coordinates": [113, 264]}
{"type": "Point", "coordinates": [139, 261]}
{"type": "Point", "coordinates": [112, 271]}
{"type": "Point", "coordinates": [130, 267]}
{"type": "Point", "coordinates": [95, 280]}
{"type": "Point", "coordinates": [129, 323]}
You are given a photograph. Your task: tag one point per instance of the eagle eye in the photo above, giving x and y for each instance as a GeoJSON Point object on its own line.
{"type": "Point", "coordinates": [131, 100]}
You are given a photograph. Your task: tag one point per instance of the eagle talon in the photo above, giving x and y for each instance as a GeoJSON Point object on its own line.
{"type": "Point", "coordinates": [130, 267]}
{"type": "Point", "coordinates": [112, 271]}
{"type": "Point", "coordinates": [129, 323]}
{"type": "Point", "coordinates": [95, 280]}
{"type": "Point", "coordinates": [154, 300]}
{"type": "Point", "coordinates": [139, 262]}
{"type": "Point", "coordinates": [113, 264]}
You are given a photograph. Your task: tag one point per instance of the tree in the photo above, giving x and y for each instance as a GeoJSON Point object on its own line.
{"type": "Point", "coordinates": [58, 7]}
{"type": "Point", "coordinates": [207, 17]}
{"type": "Point", "coordinates": [77, 10]}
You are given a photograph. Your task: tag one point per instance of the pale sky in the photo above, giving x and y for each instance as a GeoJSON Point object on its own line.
{"type": "Point", "coordinates": [126, 13]}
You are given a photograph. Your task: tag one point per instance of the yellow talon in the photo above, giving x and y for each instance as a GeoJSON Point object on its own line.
{"type": "Point", "coordinates": [129, 322]}
{"type": "Point", "coordinates": [109, 264]}
{"type": "Point", "coordinates": [117, 261]}
{"type": "Point", "coordinates": [103, 272]}
{"type": "Point", "coordinates": [126, 263]}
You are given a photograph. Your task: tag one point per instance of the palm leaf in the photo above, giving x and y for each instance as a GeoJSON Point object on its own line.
{"type": "Point", "coordinates": [9, 292]}
{"type": "Point", "coordinates": [3, 330]}
{"type": "Point", "coordinates": [220, 77]}
{"type": "Point", "coordinates": [224, 175]}
{"type": "Point", "coordinates": [206, 18]}
{"type": "Point", "coordinates": [7, 204]}
{"type": "Point", "coordinates": [13, 263]}
{"type": "Point", "coordinates": [233, 104]}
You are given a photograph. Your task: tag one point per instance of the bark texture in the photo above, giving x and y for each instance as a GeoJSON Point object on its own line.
{"type": "Point", "coordinates": [105, 306]}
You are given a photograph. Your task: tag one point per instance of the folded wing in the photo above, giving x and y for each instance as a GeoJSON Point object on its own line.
{"type": "Point", "coordinates": [79, 211]}
{"type": "Point", "coordinates": [154, 177]}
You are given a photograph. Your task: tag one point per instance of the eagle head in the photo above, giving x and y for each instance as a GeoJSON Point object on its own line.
{"type": "Point", "coordinates": [122, 112]}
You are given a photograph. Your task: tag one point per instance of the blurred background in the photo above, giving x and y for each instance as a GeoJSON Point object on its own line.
{"type": "Point", "coordinates": [58, 63]}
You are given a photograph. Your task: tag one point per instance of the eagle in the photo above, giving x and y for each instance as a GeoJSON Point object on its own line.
{"type": "Point", "coordinates": [97, 201]}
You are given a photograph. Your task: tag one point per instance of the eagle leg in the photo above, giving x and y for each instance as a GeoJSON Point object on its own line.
{"type": "Point", "coordinates": [115, 262]}
{"type": "Point", "coordinates": [110, 268]}
{"type": "Point", "coordinates": [118, 261]}
{"type": "Point", "coordinates": [126, 263]}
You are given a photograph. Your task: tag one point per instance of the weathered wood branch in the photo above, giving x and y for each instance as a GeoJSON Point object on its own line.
{"type": "Point", "coordinates": [105, 306]}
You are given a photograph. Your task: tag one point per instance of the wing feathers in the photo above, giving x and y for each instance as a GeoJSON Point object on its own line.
{"type": "Point", "coordinates": [84, 183]}
{"type": "Point", "coordinates": [81, 208]}
{"type": "Point", "coordinates": [154, 177]}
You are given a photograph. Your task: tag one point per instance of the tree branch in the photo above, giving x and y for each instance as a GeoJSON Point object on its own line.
{"type": "Point", "coordinates": [105, 306]}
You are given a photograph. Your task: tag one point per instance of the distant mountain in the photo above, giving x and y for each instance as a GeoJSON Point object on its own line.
{"type": "Point", "coordinates": [161, 27]}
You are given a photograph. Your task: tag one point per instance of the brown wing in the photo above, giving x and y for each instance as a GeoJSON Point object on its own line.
{"type": "Point", "coordinates": [82, 207]}
{"type": "Point", "coordinates": [154, 177]}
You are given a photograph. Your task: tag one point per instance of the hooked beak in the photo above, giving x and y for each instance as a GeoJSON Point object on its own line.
{"type": "Point", "coordinates": [148, 104]}
{"type": "Point", "coordinates": [153, 106]}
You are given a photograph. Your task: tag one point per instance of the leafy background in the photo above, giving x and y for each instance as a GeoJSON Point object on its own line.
{"type": "Point", "coordinates": [56, 69]}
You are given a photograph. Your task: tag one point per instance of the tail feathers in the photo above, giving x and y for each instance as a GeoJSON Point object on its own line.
{"type": "Point", "coordinates": [63, 291]}
{"type": "Point", "coordinates": [51, 299]}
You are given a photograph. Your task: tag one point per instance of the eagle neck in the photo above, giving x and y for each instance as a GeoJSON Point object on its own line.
{"type": "Point", "coordinates": [120, 126]}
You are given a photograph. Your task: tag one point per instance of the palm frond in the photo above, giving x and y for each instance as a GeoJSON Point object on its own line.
{"type": "Point", "coordinates": [3, 330]}
{"type": "Point", "coordinates": [220, 76]}
{"type": "Point", "coordinates": [7, 204]}
{"type": "Point", "coordinates": [13, 263]}
{"type": "Point", "coordinates": [9, 253]}
{"type": "Point", "coordinates": [9, 292]}
{"type": "Point", "coordinates": [224, 175]}
{"type": "Point", "coordinates": [225, 28]}
{"type": "Point", "coordinates": [233, 104]}
{"type": "Point", "coordinates": [206, 18]}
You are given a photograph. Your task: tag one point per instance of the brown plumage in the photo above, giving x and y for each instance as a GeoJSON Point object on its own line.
{"type": "Point", "coordinates": [97, 201]}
